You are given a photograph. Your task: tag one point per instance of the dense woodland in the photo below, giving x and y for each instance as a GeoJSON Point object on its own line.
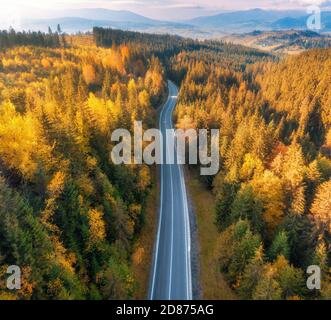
{"type": "Point", "coordinates": [11, 38]}
{"type": "Point", "coordinates": [274, 187]}
{"type": "Point", "coordinates": [70, 217]}
{"type": "Point", "coordinates": [167, 47]}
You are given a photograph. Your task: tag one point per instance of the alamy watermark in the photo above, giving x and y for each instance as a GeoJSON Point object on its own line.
{"type": "Point", "coordinates": [14, 279]}
{"type": "Point", "coordinates": [314, 280]}
{"type": "Point", "coordinates": [153, 147]}
{"type": "Point", "coordinates": [314, 21]}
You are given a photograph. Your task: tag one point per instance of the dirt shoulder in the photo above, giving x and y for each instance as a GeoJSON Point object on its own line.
{"type": "Point", "coordinates": [210, 284]}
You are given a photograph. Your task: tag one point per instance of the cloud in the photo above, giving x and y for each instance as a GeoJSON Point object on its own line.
{"type": "Point", "coordinates": [313, 2]}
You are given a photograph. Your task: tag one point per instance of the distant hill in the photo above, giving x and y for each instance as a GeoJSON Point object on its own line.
{"type": "Point", "coordinates": [301, 22]}
{"type": "Point", "coordinates": [289, 23]}
{"type": "Point", "coordinates": [202, 27]}
{"type": "Point", "coordinates": [83, 20]}
{"type": "Point", "coordinates": [106, 15]}
{"type": "Point", "coordinates": [293, 41]}
{"type": "Point", "coordinates": [75, 24]}
{"type": "Point", "coordinates": [249, 20]}
{"type": "Point", "coordinates": [239, 19]}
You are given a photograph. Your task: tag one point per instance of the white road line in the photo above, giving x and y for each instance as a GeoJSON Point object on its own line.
{"type": "Point", "coordinates": [169, 113]}
{"type": "Point", "coordinates": [186, 224]}
{"type": "Point", "coordinates": [172, 232]}
{"type": "Point", "coordinates": [187, 232]}
{"type": "Point", "coordinates": [188, 236]}
{"type": "Point", "coordinates": [160, 215]}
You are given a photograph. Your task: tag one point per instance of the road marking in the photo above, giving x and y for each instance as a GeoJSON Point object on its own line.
{"type": "Point", "coordinates": [169, 111]}
{"type": "Point", "coordinates": [188, 236]}
{"type": "Point", "coordinates": [186, 228]}
{"type": "Point", "coordinates": [172, 232]}
{"type": "Point", "coordinates": [186, 219]}
{"type": "Point", "coordinates": [161, 212]}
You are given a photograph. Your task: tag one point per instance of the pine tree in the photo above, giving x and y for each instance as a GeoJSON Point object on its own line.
{"type": "Point", "coordinates": [279, 246]}
{"type": "Point", "coordinates": [246, 244]}
{"type": "Point", "coordinates": [106, 86]}
{"type": "Point", "coordinates": [290, 279]}
{"type": "Point", "coordinates": [321, 207]}
{"type": "Point", "coordinates": [58, 28]}
{"type": "Point", "coordinates": [225, 198]}
{"type": "Point", "coordinates": [247, 206]}
{"type": "Point", "coordinates": [252, 275]}
{"type": "Point", "coordinates": [268, 288]}
{"type": "Point", "coordinates": [298, 203]}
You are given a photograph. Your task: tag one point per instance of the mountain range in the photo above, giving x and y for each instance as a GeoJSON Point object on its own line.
{"type": "Point", "coordinates": [207, 26]}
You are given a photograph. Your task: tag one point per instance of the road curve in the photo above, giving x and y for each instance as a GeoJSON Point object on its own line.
{"type": "Point", "coordinates": [171, 269]}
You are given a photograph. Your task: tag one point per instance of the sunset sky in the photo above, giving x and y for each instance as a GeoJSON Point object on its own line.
{"type": "Point", "coordinates": [158, 9]}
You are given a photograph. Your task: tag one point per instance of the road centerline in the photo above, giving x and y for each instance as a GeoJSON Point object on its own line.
{"type": "Point", "coordinates": [171, 278]}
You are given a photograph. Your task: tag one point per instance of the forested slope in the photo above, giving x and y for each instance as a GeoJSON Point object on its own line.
{"type": "Point", "coordinates": [273, 189]}
{"type": "Point", "coordinates": [68, 216]}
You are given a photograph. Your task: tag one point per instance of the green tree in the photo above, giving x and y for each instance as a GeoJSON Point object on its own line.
{"type": "Point", "coordinates": [225, 197]}
{"type": "Point", "coordinates": [251, 275]}
{"type": "Point", "coordinates": [279, 246]}
{"type": "Point", "coordinates": [268, 288]}
{"type": "Point", "coordinates": [290, 279]}
{"type": "Point", "coordinates": [247, 206]}
{"type": "Point", "coordinates": [245, 245]}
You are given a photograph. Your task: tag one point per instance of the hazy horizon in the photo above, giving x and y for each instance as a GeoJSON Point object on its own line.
{"type": "Point", "coordinates": [171, 10]}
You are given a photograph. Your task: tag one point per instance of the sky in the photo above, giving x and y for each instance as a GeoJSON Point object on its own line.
{"type": "Point", "coordinates": [157, 9]}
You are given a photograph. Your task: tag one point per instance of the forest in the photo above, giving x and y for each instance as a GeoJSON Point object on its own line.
{"type": "Point", "coordinates": [273, 190]}
{"type": "Point", "coordinates": [70, 217]}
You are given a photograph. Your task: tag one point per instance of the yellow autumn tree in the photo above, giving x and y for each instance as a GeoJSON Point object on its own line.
{"type": "Point", "coordinates": [269, 189]}
{"type": "Point", "coordinates": [21, 142]}
{"type": "Point", "coordinates": [321, 208]}
{"type": "Point", "coordinates": [99, 113]}
{"type": "Point", "coordinates": [97, 226]}
{"type": "Point", "coordinates": [252, 165]}
{"type": "Point", "coordinates": [328, 138]}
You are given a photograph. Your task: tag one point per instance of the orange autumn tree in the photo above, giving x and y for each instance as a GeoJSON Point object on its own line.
{"type": "Point", "coordinates": [89, 74]}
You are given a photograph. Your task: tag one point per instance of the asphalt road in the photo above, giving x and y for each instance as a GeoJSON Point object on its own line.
{"type": "Point", "coordinates": [171, 269]}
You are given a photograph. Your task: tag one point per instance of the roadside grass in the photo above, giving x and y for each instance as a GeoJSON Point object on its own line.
{"type": "Point", "coordinates": [213, 284]}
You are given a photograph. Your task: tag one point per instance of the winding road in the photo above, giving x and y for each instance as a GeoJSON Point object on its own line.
{"type": "Point", "coordinates": [171, 269]}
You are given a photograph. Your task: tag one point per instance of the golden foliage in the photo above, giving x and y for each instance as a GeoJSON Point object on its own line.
{"type": "Point", "coordinates": [97, 226]}
{"type": "Point", "coordinates": [321, 208]}
{"type": "Point", "coordinates": [62, 256]}
{"type": "Point", "coordinates": [21, 145]}
{"type": "Point", "coordinates": [56, 185]}
{"type": "Point", "coordinates": [269, 189]}
{"type": "Point", "coordinates": [89, 74]}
